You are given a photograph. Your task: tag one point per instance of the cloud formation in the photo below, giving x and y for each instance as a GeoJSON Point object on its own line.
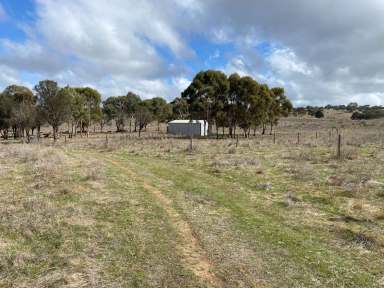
{"type": "Point", "coordinates": [320, 51]}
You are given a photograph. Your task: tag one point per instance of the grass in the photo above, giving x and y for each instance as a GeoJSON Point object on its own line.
{"type": "Point", "coordinates": [257, 215]}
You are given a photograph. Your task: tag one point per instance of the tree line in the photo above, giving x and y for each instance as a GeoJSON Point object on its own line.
{"type": "Point", "coordinates": [231, 102]}
{"type": "Point", "coordinates": [359, 112]}
{"type": "Point", "coordinates": [226, 102]}
{"type": "Point", "coordinates": [23, 111]}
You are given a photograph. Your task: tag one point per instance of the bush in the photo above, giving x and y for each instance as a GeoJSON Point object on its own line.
{"type": "Point", "coordinates": [319, 114]}
{"type": "Point", "coordinates": [368, 114]}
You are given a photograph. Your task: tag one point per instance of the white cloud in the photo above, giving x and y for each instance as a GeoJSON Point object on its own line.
{"type": "Point", "coordinates": [285, 62]}
{"type": "Point", "coordinates": [8, 76]}
{"type": "Point", "coordinates": [319, 56]}
{"type": "Point", "coordinates": [114, 44]}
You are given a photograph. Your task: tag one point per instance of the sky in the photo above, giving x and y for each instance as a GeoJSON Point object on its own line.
{"type": "Point", "coordinates": [321, 51]}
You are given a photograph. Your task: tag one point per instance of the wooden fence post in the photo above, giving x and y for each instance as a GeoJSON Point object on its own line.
{"type": "Point", "coordinates": [191, 143]}
{"type": "Point", "coordinates": [339, 147]}
{"type": "Point", "coordinates": [65, 139]}
{"type": "Point", "coordinates": [237, 140]}
{"type": "Point", "coordinates": [298, 138]}
{"type": "Point", "coordinates": [106, 139]}
{"type": "Point", "coordinates": [274, 137]}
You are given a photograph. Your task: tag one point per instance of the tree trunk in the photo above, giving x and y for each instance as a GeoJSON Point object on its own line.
{"type": "Point", "coordinates": [28, 136]}
{"type": "Point", "coordinates": [54, 133]}
{"type": "Point", "coordinates": [38, 133]}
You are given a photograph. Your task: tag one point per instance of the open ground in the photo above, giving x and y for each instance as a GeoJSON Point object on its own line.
{"type": "Point", "coordinates": [116, 210]}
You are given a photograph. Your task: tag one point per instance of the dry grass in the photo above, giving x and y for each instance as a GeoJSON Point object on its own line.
{"type": "Point", "coordinates": [269, 215]}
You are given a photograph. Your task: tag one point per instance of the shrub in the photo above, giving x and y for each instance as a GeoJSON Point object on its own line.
{"type": "Point", "coordinates": [319, 114]}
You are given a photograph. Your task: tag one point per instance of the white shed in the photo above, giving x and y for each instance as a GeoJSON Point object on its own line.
{"type": "Point", "coordinates": [197, 128]}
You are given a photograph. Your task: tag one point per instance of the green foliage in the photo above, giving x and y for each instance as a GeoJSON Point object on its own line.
{"type": "Point", "coordinates": [180, 108]}
{"type": "Point", "coordinates": [17, 111]}
{"type": "Point", "coordinates": [55, 103]}
{"type": "Point", "coordinates": [232, 101]}
{"type": "Point", "coordinates": [206, 94]}
{"type": "Point", "coordinates": [368, 114]}
{"type": "Point", "coordinates": [91, 100]}
{"type": "Point", "coordinates": [143, 115]}
{"type": "Point", "coordinates": [319, 114]}
{"type": "Point", "coordinates": [120, 108]}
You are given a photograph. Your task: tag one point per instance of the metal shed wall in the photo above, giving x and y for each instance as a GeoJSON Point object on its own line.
{"type": "Point", "coordinates": [185, 129]}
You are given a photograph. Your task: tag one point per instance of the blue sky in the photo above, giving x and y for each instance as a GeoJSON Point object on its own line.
{"type": "Point", "coordinates": [154, 48]}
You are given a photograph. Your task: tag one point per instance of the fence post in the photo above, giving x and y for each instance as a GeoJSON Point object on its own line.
{"type": "Point", "coordinates": [65, 139]}
{"type": "Point", "coordinates": [191, 143]}
{"type": "Point", "coordinates": [274, 137]}
{"type": "Point", "coordinates": [237, 140]}
{"type": "Point", "coordinates": [298, 138]}
{"type": "Point", "coordinates": [339, 147]}
{"type": "Point", "coordinates": [106, 139]}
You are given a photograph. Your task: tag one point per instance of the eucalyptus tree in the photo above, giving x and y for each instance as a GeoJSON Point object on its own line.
{"type": "Point", "coordinates": [143, 115]}
{"type": "Point", "coordinates": [132, 102]}
{"type": "Point", "coordinates": [160, 110]}
{"type": "Point", "coordinates": [92, 106]}
{"type": "Point", "coordinates": [232, 103]}
{"type": "Point", "coordinates": [115, 108]}
{"type": "Point", "coordinates": [180, 108]}
{"type": "Point", "coordinates": [248, 99]}
{"type": "Point", "coordinates": [21, 110]}
{"type": "Point", "coordinates": [264, 107]}
{"type": "Point", "coordinates": [206, 95]}
{"type": "Point", "coordinates": [280, 106]}
{"type": "Point", "coordinates": [5, 115]}
{"type": "Point", "coordinates": [78, 110]}
{"type": "Point", "coordinates": [55, 104]}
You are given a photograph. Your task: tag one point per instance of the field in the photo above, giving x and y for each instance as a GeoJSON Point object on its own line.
{"type": "Point", "coordinates": [151, 212]}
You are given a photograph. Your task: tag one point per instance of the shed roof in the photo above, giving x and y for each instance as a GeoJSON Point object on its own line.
{"type": "Point", "coordinates": [186, 121]}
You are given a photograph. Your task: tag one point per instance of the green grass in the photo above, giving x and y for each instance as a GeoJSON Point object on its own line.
{"type": "Point", "coordinates": [264, 216]}
{"type": "Point", "coordinates": [109, 234]}
{"type": "Point", "coordinates": [284, 238]}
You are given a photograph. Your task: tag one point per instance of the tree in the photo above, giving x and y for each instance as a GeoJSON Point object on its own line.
{"type": "Point", "coordinates": [280, 106]}
{"type": "Point", "coordinates": [180, 108]}
{"type": "Point", "coordinates": [115, 108]}
{"type": "Point", "coordinates": [78, 110]}
{"type": "Point", "coordinates": [206, 95]}
{"type": "Point", "coordinates": [21, 110]}
{"type": "Point", "coordinates": [55, 104]}
{"type": "Point", "coordinates": [160, 110]}
{"type": "Point", "coordinates": [132, 102]}
{"type": "Point", "coordinates": [5, 115]}
{"type": "Point", "coordinates": [247, 103]}
{"type": "Point", "coordinates": [143, 116]}
{"type": "Point", "coordinates": [319, 114]}
{"type": "Point", "coordinates": [91, 101]}
{"type": "Point", "coordinates": [232, 103]}
{"type": "Point", "coordinates": [353, 106]}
